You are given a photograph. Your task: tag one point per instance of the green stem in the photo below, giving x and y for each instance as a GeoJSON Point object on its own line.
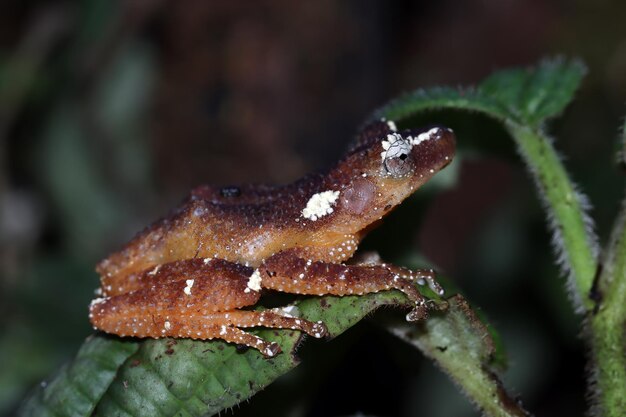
{"type": "Point", "coordinates": [608, 328]}
{"type": "Point", "coordinates": [575, 245]}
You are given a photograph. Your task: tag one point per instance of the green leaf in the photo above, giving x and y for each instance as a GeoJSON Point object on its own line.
{"type": "Point", "coordinates": [78, 386]}
{"type": "Point", "coordinates": [462, 346]}
{"type": "Point", "coordinates": [534, 95]}
{"type": "Point", "coordinates": [528, 96]}
{"type": "Point", "coordinates": [192, 377]}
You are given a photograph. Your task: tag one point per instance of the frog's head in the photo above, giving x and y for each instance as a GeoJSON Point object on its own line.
{"type": "Point", "coordinates": [385, 166]}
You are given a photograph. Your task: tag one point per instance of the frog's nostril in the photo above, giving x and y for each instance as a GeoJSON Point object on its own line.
{"type": "Point", "coordinates": [442, 133]}
{"type": "Point", "coordinates": [445, 139]}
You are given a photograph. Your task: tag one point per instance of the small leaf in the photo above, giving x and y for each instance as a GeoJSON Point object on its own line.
{"type": "Point", "coordinates": [536, 94]}
{"type": "Point", "coordinates": [528, 96]}
{"type": "Point", "coordinates": [78, 386]}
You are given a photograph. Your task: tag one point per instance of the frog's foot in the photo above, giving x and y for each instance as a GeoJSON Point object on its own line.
{"type": "Point", "coordinates": [277, 319]}
{"type": "Point", "coordinates": [225, 325]}
{"type": "Point", "coordinates": [422, 309]}
{"type": "Point", "coordinates": [419, 276]}
{"type": "Point", "coordinates": [238, 336]}
{"type": "Point", "coordinates": [230, 332]}
{"type": "Point", "coordinates": [419, 313]}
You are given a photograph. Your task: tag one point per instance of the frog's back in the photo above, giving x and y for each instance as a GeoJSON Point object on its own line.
{"type": "Point", "coordinates": [240, 224]}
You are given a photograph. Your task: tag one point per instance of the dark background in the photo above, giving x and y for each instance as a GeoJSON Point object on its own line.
{"type": "Point", "coordinates": [111, 111]}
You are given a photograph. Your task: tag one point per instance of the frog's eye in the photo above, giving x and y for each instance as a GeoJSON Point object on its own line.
{"type": "Point", "coordinates": [397, 166]}
{"type": "Point", "coordinates": [395, 155]}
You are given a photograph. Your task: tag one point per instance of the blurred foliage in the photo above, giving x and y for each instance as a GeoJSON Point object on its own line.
{"type": "Point", "coordinates": [110, 111]}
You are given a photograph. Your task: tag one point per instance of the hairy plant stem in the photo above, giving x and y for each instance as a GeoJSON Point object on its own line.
{"type": "Point", "coordinates": [573, 240]}
{"type": "Point", "coordinates": [607, 328]}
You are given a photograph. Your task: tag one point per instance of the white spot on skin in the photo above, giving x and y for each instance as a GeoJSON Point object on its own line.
{"type": "Point", "coordinates": [390, 123]}
{"type": "Point", "coordinates": [320, 204]}
{"type": "Point", "coordinates": [425, 136]}
{"type": "Point", "coordinates": [187, 289]}
{"type": "Point", "coordinates": [207, 261]}
{"type": "Point", "coordinates": [254, 283]}
{"type": "Point", "coordinates": [97, 301]}
{"type": "Point", "coordinates": [167, 325]}
{"type": "Point", "coordinates": [155, 270]}
{"type": "Point", "coordinates": [395, 145]}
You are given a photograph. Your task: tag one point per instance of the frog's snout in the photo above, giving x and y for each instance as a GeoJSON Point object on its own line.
{"type": "Point", "coordinates": [433, 149]}
{"type": "Point", "coordinates": [445, 142]}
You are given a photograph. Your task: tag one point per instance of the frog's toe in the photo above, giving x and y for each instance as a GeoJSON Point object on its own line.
{"type": "Point", "coordinates": [271, 349]}
{"type": "Point", "coordinates": [438, 305]}
{"type": "Point", "coordinates": [319, 330]}
{"type": "Point", "coordinates": [419, 313]}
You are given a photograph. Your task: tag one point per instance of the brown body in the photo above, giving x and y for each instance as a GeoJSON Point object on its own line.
{"type": "Point", "coordinates": [187, 274]}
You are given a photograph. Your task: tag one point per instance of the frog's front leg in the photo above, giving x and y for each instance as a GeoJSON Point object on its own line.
{"type": "Point", "coordinates": [420, 276]}
{"type": "Point", "coordinates": [287, 272]}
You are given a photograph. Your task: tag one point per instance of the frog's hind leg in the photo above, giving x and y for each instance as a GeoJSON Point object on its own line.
{"type": "Point", "coordinates": [287, 272]}
{"type": "Point", "coordinates": [172, 313]}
